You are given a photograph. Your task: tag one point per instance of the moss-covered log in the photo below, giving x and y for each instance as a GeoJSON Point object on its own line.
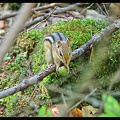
{"type": "Point", "coordinates": [78, 52]}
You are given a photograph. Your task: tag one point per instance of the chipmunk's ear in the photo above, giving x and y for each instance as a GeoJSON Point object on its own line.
{"type": "Point", "coordinates": [58, 43]}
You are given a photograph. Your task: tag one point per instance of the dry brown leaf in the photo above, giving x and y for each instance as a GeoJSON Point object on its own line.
{"type": "Point", "coordinates": [89, 111]}
{"type": "Point", "coordinates": [59, 110]}
{"type": "Point", "coordinates": [3, 24]}
{"type": "Point", "coordinates": [55, 111]}
{"type": "Point", "coordinates": [2, 110]}
{"type": "Point", "coordinates": [76, 112]}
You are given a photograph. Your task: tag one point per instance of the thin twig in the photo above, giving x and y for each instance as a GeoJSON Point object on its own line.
{"type": "Point", "coordinates": [38, 5]}
{"type": "Point", "coordinates": [105, 9]}
{"type": "Point", "coordinates": [63, 98]}
{"type": "Point", "coordinates": [50, 6]}
{"type": "Point", "coordinates": [44, 7]}
{"type": "Point", "coordinates": [61, 16]}
{"type": "Point", "coordinates": [71, 7]}
{"type": "Point", "coordinates": [86, 8]}
{"type": "Point", "coordinates": [86, 97]}
{"type": "Point", "coordinates": [101, 9]}
{"type": "Point", "coordinates": [114, 80]}
{"type": "Point", "coordinates": [2, 17]}
{"type": "Point", "coordinates": [42, 20]}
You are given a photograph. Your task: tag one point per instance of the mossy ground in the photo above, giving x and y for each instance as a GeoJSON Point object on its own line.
{"type": "Point", "coordinates": [26, 57]}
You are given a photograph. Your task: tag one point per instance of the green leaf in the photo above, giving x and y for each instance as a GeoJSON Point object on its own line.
{"type": "Point", "coordinates": [106, 115]}
{"type": "Point", "coordinates": [43, 112]}
{"type": "Point", "coordinates": [111, 106]}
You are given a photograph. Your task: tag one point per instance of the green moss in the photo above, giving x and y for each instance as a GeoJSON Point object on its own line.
{"type": "Point", "coordinates": [20, 54]}
{"type": "Point", "coordinates": [27, 41]}
{"type": "Point", "coordinates": [77, 35]}
{"type": "Point", "coordinates": [29, 45]}
{"type": "Point", "coordinates": [111, 64]}
{"type": "Point", "coordinates": [78, 31]}
{"type": "Point", "coordinates": [14, 6]}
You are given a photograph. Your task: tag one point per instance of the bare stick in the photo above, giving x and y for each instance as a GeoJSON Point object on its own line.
{"type": "Point", "coordinates": [86, 97]}
{"type": "Point", "coordinates": [86, 8]}
{"type": "Point", "coordinates": [44, 7]}
{"type": "Point", "coordinates": [36, 9]}
{"type": "Point", "coordinates": [101, 9]}
{"type": "Point", "coordinates": [8, 15]}
{"type": "Point", "coordinates": [44, 19]}
{"type": "Point", "coordinates": [63, 98]}
{"type": "Point", "coordinates": [25, 11]}
{"type": "Point", "coordinates": [27, 25]}
{"type": "Point", "coordinates": [105, 9]}
{"type": "Point", "coordinates": [52, 5]}
{"type": "Point", "coordinates": [115, 79]}
{"type": "Point", "coordinates": [55, 11]}
{"type": "Point", "coordinates": [71, 7]}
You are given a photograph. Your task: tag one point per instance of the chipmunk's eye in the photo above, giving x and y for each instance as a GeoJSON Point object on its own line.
{"type": "Point", "coordinates": [60, 53]}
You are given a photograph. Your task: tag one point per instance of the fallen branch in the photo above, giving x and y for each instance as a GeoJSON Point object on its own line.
{"type": "Point", "coordinates": [43, 17]}
{"type": "Point", "coordinates": [78, 52]}
{"type": "Point", "coordinates": [101, 9]}
{"type": "Point", "coordinates": [43, 20]}
{"type": "Point", "coordinates": [2, 17]}
{"type": "Point", "coordinates": [29, 24]}
{"type": "Point", "coordinates": [71, 7]}
{"type": "Point", "coordinates": [59, 10]}
{"type": "Point", "coordinates": [52, 5]}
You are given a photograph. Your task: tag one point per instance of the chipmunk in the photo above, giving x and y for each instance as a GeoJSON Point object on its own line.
{"type": "Point", "coordinates": [57, 49]}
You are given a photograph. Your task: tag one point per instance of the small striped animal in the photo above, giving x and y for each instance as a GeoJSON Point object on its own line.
{"type": "Point", "coordinates": [57, 49]}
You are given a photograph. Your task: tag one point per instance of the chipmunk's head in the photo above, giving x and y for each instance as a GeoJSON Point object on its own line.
{"type": "Point", "coordinates": [63, 51]}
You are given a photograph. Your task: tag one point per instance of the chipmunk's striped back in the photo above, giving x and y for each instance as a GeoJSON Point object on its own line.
{"type": "Point", "coordinates": [54, 37]}
{"type": "Point", "coordinates": [57, 49]}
